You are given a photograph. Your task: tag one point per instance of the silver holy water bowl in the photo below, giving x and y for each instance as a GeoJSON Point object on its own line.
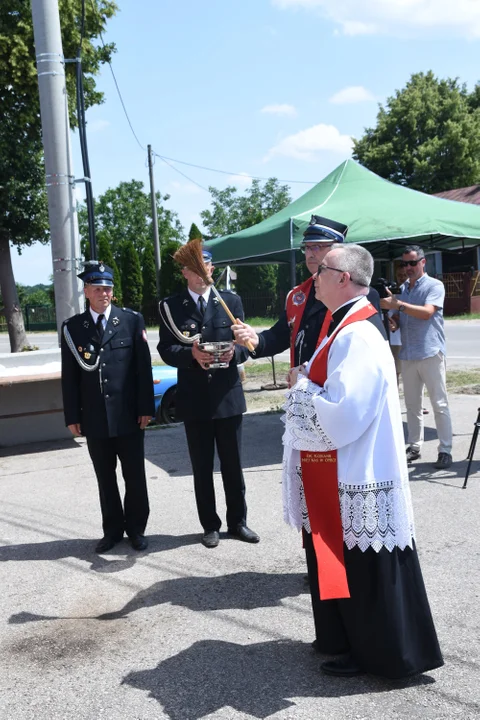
{"type": "Point", "coordinates": [216, 349]}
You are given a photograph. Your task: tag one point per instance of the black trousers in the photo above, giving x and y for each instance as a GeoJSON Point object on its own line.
{"type": "Point", "coordinates": [226, 434]}
{"type": "Point", "coordinates": [386, 624]}
{"type": "Point", "coordinates": [129, 449]}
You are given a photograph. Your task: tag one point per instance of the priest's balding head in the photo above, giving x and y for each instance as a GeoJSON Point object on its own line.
{"type": "Point", "coordinates": [344, 274]}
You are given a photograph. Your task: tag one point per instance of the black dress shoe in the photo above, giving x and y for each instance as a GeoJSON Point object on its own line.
{"type": "Point", "coordinates": [139, 542]}
{"type": "Point", "coordinates": [344, 666]}
{"type": "Point", "coordinates": [106, 544]}
{"type": "Point", "coordinates": [211, 539]}
{"type": "Point", "coordinates": [242, 532]}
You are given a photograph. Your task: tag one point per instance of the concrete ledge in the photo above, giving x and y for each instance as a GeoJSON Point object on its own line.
{"type": "Point", "coordinates": [31, 410]}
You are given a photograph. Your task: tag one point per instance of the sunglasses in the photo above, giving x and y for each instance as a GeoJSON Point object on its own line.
{"type": "Point", "coordinates": [412, 263]}
{"type": "Point", "coordinates": [321, 268]}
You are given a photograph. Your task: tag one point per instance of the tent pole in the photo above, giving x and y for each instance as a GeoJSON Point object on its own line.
{"type": "Point", "coordinates": [293, 264]}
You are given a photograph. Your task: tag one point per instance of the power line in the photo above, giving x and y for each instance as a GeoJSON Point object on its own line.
{"type": "Point", "coordinates": [116, 84]}
{"type": "Point", "coordinates": [181, 173]}
{"type": "Point", "coordinates": [229, 172]}
{"type": "Point", "coordinates": [165, 158]}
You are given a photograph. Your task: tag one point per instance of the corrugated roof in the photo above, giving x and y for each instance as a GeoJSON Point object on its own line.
{"type": "Point", "coordinates": [467, 194]}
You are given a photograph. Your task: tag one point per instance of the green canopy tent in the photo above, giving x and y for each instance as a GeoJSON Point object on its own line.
{"type": "Point", "coordinates": [379, 213]}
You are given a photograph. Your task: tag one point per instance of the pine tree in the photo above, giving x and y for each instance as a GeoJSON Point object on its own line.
{"type": "Point", "coordinates": [131, 277]}
{"type": "Point", "coordinates": [194, 232]}
{"type": "Point", "coordinates": [149, 299]}
{"type": "Point", "coordinates": [171, 278]}
{"type": "Point", "coordinates": [105, 254]}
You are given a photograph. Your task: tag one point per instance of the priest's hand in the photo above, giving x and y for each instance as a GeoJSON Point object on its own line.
{"type": "Point", "coordinates": [244, 334]}
{"type": "Point", "coordinates": [293, 374]}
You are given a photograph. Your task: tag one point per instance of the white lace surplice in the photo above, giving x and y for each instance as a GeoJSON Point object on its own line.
{"type": "Point", "coordinates": [358, 414]}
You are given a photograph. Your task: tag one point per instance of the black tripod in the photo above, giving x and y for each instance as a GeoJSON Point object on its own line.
{"type": "Point", "coordinates": [472, 447]}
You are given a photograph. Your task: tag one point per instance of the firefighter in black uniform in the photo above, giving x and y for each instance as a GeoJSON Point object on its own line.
{"type": "Point", "coordinates": [300, 324]}
{"type": "Point", "coordinates": [209, 401]}
{"type": "Point", "coordinates": [108, 397]}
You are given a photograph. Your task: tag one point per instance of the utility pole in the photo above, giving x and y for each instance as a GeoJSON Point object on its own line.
{"type": "Point", "coordinates": [62, 210]}
{"type": "Point", "coordinates": [156, 240]}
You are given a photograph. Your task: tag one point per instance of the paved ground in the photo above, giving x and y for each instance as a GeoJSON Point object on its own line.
{"type": "Point", "coordinates": [184, 633]}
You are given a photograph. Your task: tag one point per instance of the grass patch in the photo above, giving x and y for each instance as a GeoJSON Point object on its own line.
{"type": "Point", "coordinates": [457, 379]}
{"type": "Point", "coordinates": [470, 316]}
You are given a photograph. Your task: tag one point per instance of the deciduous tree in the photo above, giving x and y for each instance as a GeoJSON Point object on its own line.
{"type": "Point", "coordinates": [427, 137]}
{"type": "Point", "coordinates": [23, 206]}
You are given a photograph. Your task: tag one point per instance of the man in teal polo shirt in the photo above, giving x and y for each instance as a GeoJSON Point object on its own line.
{"type": "Point", "coordinates": [420, 314]}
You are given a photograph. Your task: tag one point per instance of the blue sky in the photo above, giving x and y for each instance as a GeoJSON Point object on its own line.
{"type": "Point", "coordinates": [256, 87]}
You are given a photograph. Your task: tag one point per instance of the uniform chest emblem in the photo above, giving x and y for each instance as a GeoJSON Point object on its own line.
{"type": "Point", "coordinates": [298, 298]}
{"type": "Point", "coordinates": [186, 333]}
{"type": "Point", "coordinates": [193, 326]}
{"type": "Point", "coordinates": [86, 324]}
{"type": "Point", "coordinates": [87, 355]}
{"type": "Point", "coordinates": [80, 348]}
{"type": "Point", "coordinates": [115, 321]}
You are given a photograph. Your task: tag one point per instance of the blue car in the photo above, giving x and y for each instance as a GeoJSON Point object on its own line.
{"type": "Point", "coordinates": [164, 388]}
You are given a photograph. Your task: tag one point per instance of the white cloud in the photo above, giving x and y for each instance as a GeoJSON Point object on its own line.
{"type": "Point", "coordinates": [305, 144]}
{"type": "Point", "coordinates": [186, 188]}
{"type": "Point", "coordinates": [279, 110]}
{"type": "Point", "coordinates": [352, 94]}
{"type": "Point", "coordinates": [242, 180]}
{"type": "Point", "coordinates": [395, 17]}
{"type": "Point", "coordinates": [95, 126]}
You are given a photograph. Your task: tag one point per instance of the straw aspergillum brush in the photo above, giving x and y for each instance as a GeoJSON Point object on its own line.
{"type": "Point", "coordinates": [190, 256]}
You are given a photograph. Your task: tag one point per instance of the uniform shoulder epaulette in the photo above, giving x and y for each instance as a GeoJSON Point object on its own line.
{"type": "Point", "coordinates": [129, 310]}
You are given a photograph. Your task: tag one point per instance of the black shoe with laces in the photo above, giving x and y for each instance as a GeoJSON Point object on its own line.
{"type": "Point", "coordinates": [413, 453]}
{"type": "Point", "coordinates": [444, 461]}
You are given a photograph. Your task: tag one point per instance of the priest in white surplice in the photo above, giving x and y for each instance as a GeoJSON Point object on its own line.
{"type": "Point", "coordinates": [345, 484]}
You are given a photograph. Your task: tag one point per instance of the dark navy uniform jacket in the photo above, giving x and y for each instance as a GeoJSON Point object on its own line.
{"type": "Point", "coordinates": [277, 338]}
{"type": "Point", "coordinates": [202, 394]}
{"type": "Point", "coordinates": [111, 407]}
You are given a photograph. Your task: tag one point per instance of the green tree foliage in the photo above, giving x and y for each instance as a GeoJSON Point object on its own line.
{"type": "Point", "coordinates": [131, 277]}
{"type": "Point", "coordinates": [123, 216]}
{"type": "Point", "coordinates": [194, 232]}
{"type": "Point", "coordinates": [149, 278]}
{"type": "Point", "coordinates": [427, 137]}
{"type": "Point", "coordinates": [171, 278]}
{"type": "Point", "coordinates": [23, 205]}
{"type": "Point", "coordinates": [105, 254]}
{"type": "Point", "coordinates": [38, 297]}
{"type": "Point", "coordinates": [232, 212]}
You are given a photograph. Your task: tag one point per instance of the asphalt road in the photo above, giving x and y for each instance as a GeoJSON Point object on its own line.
{"type": "Point", "coordinates": [184, 633]}
{"type": "Point", "coordinates": [463, 343]}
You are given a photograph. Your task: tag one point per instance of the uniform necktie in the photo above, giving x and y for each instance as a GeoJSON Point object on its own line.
{"type": "Point", "coordinates": [202, 305]}
{"type": "Point", "coordinates": [100, 326]}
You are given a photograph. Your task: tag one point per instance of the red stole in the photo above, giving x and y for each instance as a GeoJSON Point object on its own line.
{"type": "Point", "coordinates": [295, 307]}
{"type": "Point", "coordinates": [320, 484]}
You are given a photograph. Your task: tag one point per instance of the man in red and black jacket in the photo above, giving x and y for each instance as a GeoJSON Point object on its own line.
{"type": "Point", "coordinates": [300, 324]}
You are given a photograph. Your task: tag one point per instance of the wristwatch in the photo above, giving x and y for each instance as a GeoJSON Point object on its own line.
{"type": "Point", "coordinates": [401, 308]}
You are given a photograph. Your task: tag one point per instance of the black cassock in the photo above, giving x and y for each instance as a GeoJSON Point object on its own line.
{"type": "Point", "coordinates": [107, 402]}
{"type": "Point", "coordinates": [386, 624]}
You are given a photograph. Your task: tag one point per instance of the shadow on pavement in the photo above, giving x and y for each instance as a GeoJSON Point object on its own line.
{"type": "Point", "coordinates": [84, 549]}
{"type": "Point", "coordinates": [166, 447]}
{"type": "Point", "coordinates": [238, 591]}
{"type": "Point", "coordinates": [242, 590]}
{"type": "Point", "coordinates": [39, 447]}
{"type": "Point", "coordinates": [256, 679]}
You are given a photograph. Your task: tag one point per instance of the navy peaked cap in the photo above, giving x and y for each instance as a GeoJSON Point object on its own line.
{"type": "Point", "coordinates": [324, 230]}
{"type": "Point", "coordinates": [96, 273]}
